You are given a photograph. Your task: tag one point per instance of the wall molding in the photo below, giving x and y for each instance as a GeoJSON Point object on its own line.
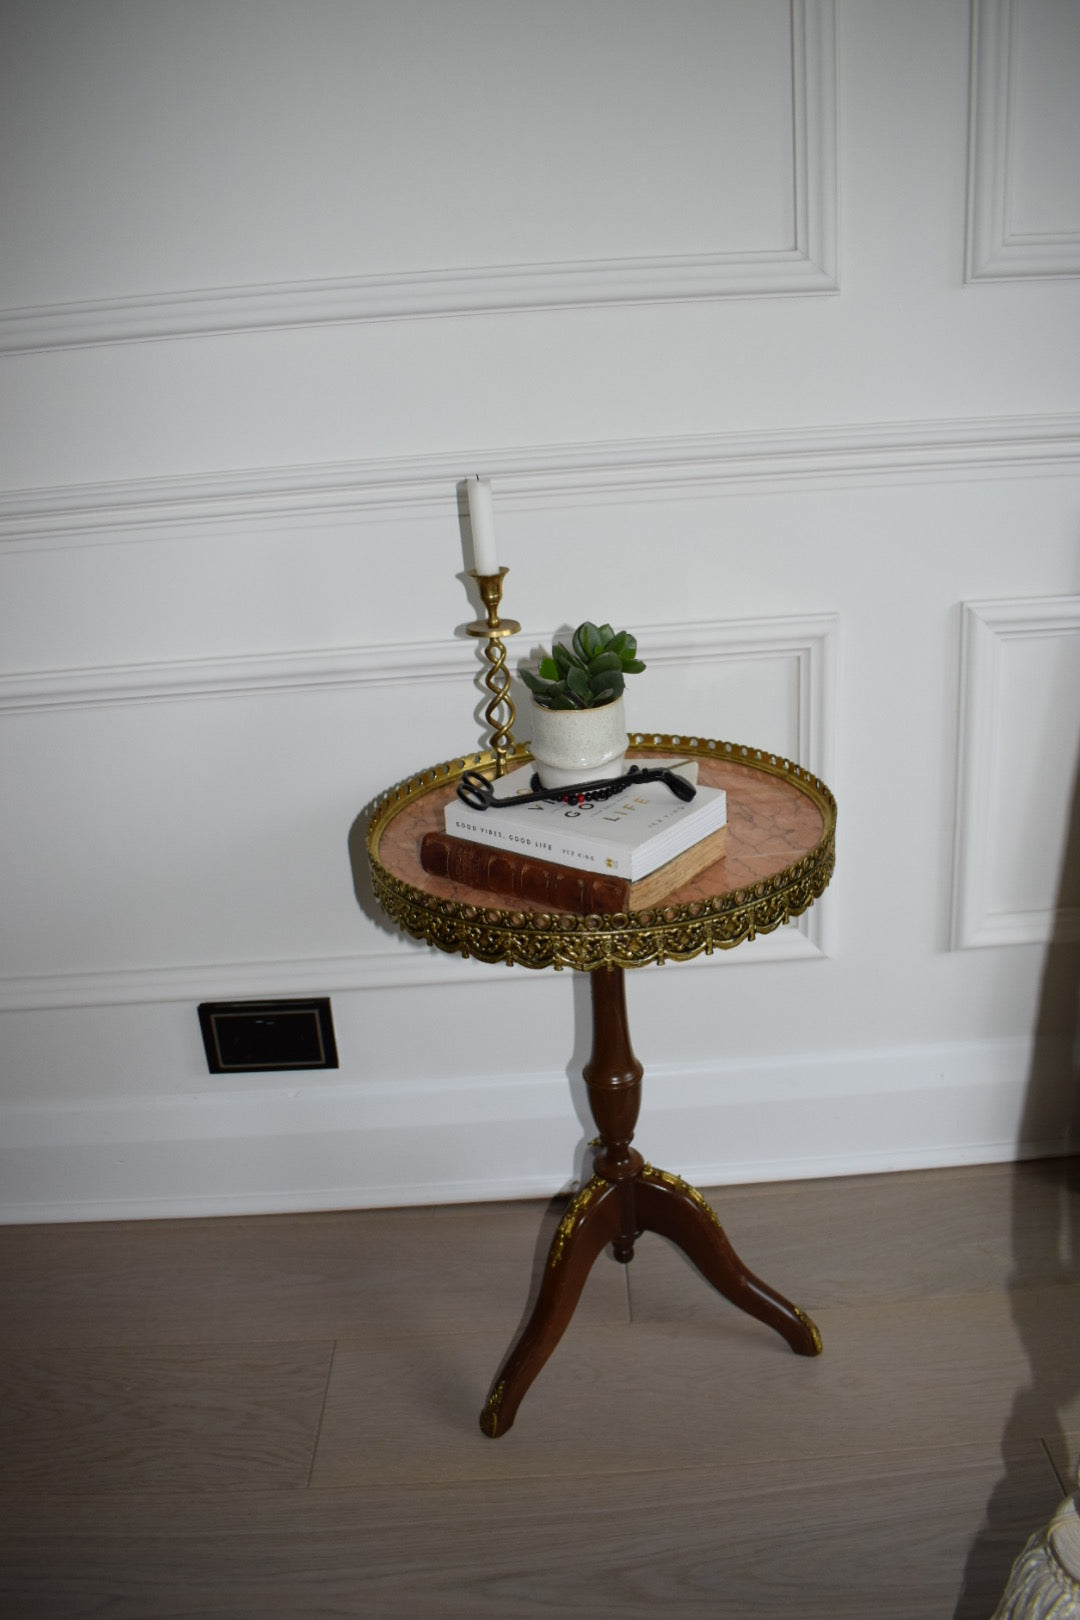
{"type": "Point", "coordinates": [405, 964]}
{"type": "Point", "coordinates": [308, 1145]}
{"type": "Point", "coordinates": [995, 250]}
{"type": "Point", "coordinates": [374, 665]}
{"type": "Point", "coordinates": [987, 630]}
{"type": "Point", "coordinates": [811, 641]}
{"type": "Point", "coordinates": [808, 265]}
{"type": "Point", "coordinates": [134, 510]}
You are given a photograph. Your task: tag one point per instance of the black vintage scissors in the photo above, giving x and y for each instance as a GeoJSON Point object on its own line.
{"type": "Point", "coordinates": [479, 794]}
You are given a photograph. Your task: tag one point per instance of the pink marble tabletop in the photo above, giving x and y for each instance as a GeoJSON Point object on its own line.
{"type": "Point", "coordinates": [772, 823]}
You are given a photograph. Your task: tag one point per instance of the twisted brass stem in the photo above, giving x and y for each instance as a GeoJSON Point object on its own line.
{"type": "Point", "coordinates": [500, 712]}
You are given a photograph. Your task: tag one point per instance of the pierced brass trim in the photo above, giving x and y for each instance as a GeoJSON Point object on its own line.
{"type": "Point", "coordinates": [628, 939]}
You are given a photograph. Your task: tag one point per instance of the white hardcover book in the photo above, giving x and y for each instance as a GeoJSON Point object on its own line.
{"type": "Point", "coordinates": [629, 835]}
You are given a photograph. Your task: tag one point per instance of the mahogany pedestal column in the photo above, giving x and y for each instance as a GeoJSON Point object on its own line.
{"type": "Point", "coordinates": [624, 1198]}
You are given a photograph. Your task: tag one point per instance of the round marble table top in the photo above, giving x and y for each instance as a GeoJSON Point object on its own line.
{"type": "Point", "coordinates": [779, 859]}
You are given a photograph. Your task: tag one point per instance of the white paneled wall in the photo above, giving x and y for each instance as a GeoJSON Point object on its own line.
{"type": "Point", "coordinates": [763, 318]}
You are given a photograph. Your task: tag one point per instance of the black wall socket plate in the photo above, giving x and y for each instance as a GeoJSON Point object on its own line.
{"type": "Point", "coordinates": [257, 1035]}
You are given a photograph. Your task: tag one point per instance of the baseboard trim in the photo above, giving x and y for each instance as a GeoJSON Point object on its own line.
{"type": "Point", "coordinates": [267, 1149]}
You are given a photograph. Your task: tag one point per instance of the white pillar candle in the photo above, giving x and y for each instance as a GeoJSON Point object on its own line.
{"type": "Point", "coordinates": [482, 523]}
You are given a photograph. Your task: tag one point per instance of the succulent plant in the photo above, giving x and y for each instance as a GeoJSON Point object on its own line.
{"type": "Point", "coordinates": [588, 673]}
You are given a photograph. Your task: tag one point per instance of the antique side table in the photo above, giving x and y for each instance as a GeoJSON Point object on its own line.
{"type": "Point", "coordinates": [779, 859]}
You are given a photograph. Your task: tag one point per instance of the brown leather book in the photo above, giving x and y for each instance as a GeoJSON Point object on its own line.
{"type": "Point", "coordinates": [563, 888]}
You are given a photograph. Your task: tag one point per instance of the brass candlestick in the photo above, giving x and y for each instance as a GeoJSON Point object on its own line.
{"type": "Point", "coordinates": [499, 713]}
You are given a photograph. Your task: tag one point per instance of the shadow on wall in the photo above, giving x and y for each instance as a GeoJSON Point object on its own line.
{"type": "Point", "coordinates": [1044, 1285]}
{"type": "Point", "coordinates": [360, 867]}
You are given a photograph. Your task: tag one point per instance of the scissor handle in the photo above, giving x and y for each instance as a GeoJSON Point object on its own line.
{"type": "Point", "coordinates": [475, 790]}
{"type": "Point", "coordinates": [681, 788]}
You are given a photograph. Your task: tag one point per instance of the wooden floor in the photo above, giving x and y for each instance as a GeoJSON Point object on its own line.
{"type": "Point", "coordinates": [278, 1417]}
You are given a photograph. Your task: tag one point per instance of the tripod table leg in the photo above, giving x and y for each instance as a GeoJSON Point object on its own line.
{"type": "Point", "coordinates": [668, 1205]}
{"type": "Point", "coordinates": [591, 1221]}
{"type": "Point", "coordinates": [626, 1197]}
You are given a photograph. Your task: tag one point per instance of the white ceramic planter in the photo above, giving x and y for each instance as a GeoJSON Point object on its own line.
{"type": "Point", "coordinates": [578, 745]}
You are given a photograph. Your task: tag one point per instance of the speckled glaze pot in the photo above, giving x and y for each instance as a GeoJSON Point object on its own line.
{"type": "Point", "coordinates": [578, 745]}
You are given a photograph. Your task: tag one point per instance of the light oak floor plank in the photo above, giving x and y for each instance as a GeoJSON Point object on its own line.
{"type": "Point", "coordinates": [843, 1541]}
{"type": "Point", "coordinates": [375, 1275]}
{"type": "Point", "coordinates": [196, 1418]}
{"type": "Point", "coordinates": [907, 1374]}
{"type": "Point", "coordinates": [1063, 1449]}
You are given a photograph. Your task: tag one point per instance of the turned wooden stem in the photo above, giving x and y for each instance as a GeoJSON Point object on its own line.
{"type": "Point", "coordinates": [613, 1076]}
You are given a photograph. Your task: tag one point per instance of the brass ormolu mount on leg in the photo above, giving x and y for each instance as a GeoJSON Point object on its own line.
{"type": "Point", "coordinates": [499, 713]}
{"type": "Point", "coordinates": [625, 1198]}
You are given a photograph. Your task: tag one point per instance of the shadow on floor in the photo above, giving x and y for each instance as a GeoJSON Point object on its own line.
{"type": "Point", "coordinates": [1045, 1223]}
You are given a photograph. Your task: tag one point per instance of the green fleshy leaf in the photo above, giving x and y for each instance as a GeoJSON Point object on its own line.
{"type": "Point", "coordinates": [586, 640]}
{"type": "Point", "coordinates": [535, 684]}
{"type": "Point", "coordinates": [578, 682]}
{"type": "Point", "coordinates": [606, 688]}
{"type": "Point", "coordinates": [549, 669]}
{"type": "Point", "coordinates": [632, 666]}
{"type": "Point", "coordinates": [603, 661]}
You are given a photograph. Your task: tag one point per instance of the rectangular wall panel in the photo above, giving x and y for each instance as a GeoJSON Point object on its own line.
{"type": "Point", "coordinates": [1023, 175]}
{"type": "Point", "coordinates": [582, 134]}
{"type": "Point", "coordinates": [1017, 877]}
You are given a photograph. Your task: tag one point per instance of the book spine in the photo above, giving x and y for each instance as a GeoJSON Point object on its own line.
{"type": "Point", "coordinates": [522, 877]}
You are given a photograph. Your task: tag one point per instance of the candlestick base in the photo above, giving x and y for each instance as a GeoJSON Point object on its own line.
{"type": "Point", "coordinates": [500, 712]}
